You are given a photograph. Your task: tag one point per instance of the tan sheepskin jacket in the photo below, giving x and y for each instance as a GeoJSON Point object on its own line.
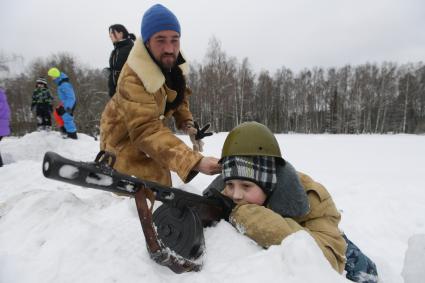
{"type": "Point", "coordinates": [133, 123]}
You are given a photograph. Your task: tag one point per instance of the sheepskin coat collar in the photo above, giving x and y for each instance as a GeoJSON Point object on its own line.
{"type": "Point", "coordinates": [146, 68]}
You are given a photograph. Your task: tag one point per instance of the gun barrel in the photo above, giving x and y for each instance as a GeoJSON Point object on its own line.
{"type": "Point", "coordinates": [87, 174]}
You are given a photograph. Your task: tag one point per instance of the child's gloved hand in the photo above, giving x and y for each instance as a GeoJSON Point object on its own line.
{"type": "Point", "coordinates": [69, 111]}
{"type": "Point", "coordinates": [60, 110]}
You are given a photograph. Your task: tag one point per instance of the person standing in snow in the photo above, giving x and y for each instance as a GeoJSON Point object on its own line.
{"type": "Point", "coordinates": [271, 200]}
{"type": "Point", "coordinates": [42, 103]}
{"type": "Point", "coordinates": [123, 42]}
{"type": "Point", "coordinates": [151, 89]}
{"type": "Point", "coordinates": [67, 101]}
{"type": "Point", "coordinates": [4, 118]}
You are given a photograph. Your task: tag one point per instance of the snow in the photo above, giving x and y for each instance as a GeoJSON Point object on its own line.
{"type": "Point", "coordinates": [100, 180]}
{"type": "Point", "coordinates": [414, 263]}
{"type": "Point", "coordinates": [56, 232]}
{"type": "Point", "coordinates": [66, 171]}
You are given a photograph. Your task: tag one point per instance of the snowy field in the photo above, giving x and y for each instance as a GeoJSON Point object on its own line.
{"type": "Point", "coordinates": [55, 232]}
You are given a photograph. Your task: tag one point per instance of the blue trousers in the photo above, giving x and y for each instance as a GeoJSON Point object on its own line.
{"type": "Point", "coordinates": [68, 122]}
{"type": "Point", "coordinates": [359, 267]}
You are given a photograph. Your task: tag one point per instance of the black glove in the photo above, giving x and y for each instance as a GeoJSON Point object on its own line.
{"type": "Point", "coordinates": [69, 111]}
{"type": "Point", "coordinates": [60, 110]}
{"type": "Point", "coordinates": [226, 203]}
{"type": "Point", "coordinates": [202, 133]}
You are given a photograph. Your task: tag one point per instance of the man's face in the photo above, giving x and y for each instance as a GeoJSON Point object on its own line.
{"type": "Point", "coordinates": [165, 47]}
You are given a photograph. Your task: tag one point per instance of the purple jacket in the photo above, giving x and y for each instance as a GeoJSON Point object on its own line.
{"type": "Point", "coordinates": [4, 115]}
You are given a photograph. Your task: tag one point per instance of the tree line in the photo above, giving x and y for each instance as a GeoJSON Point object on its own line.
{"type": "Point", "coordinates": [367, 98]}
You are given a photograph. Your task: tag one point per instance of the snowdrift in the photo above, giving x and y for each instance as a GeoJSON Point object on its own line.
{"type": "Point", "coordinates": [55, 232]}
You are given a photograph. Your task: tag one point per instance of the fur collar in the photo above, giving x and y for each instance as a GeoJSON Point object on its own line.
{"type": "Point", "coordinates": [146, 69]}
{"type": "Point", "coordinates": [289, 199]}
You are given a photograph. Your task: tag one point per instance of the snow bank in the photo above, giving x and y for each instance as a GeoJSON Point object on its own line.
{"type": "Point", "coordinates": [55, 232]}
{"type": "Point", "coordinates": [414, 261]}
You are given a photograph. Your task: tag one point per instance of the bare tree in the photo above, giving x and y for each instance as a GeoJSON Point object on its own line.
{"type": "Point", "coordinates": [367, 98]}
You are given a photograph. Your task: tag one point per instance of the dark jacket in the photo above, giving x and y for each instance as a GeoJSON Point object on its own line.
{"type": "Point", "coordinates": [116, 62]}
{"type": "Point", "coordinates": [41, 98]}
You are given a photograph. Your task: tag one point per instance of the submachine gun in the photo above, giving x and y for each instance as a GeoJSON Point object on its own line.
{"type": "Point", "coordinates": [174, 231]}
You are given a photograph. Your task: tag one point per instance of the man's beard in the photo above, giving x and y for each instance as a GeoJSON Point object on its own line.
{"type": "Point", "coordinates": [166, 62]}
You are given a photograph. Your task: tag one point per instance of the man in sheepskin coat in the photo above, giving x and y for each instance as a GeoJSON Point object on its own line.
{"type": "Point", "coordinates": [152, 88]}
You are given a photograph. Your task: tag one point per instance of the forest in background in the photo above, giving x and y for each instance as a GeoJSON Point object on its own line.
{"type": "Point", "coordinates": [368, 98]}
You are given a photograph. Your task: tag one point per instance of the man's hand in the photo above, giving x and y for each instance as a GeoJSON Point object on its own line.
{"type": "Point", "coordinates": [208, 165]}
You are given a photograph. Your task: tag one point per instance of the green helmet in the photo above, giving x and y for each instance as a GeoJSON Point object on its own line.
{"type": "Point", "coordinates": [251, 139]}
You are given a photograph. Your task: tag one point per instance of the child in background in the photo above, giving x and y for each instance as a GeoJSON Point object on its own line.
{"type": "Point", "coordinates": [4, 118]}
{"type": "Point", "coordinates": [67, 101]}
{"type": "Point", "coordinates": [272, 200]}
{"type": "Point", "coordinates": [42, 103]}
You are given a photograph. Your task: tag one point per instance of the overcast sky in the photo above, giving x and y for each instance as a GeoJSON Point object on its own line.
{"type": "Point", "coordinates": [297, 34]}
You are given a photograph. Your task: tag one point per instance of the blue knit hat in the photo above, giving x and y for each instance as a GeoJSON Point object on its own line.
{"type": "Point", "coordinates": [158, 18]}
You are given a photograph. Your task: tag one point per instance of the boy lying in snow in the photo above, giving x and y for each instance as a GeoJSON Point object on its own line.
{"type": "Point", "coordinates": [272, 200]}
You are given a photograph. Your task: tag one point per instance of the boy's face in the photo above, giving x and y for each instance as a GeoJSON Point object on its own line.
{"type": "Point", "coordinates": [243, 192]}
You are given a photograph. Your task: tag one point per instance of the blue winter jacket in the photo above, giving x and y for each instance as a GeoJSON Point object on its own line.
{"type": "Point", "coordinates": [65, 91]}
